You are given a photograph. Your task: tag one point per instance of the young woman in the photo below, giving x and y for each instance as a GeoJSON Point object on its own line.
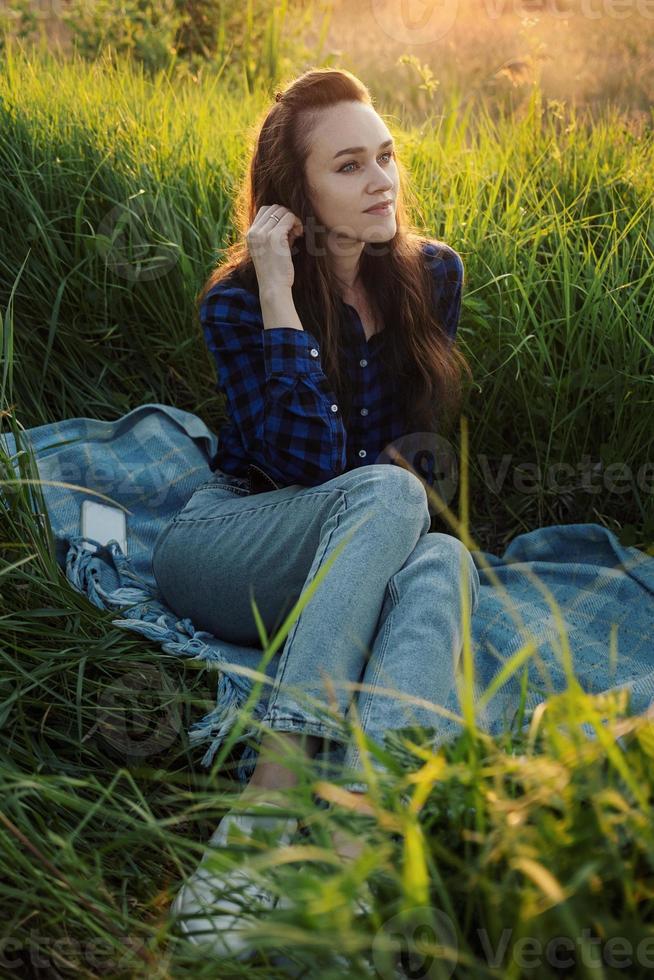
{"type": "Point", "coordinates": [332, 324]}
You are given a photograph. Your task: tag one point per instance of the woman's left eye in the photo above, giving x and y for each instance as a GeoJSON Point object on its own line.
{"type": "Point", "coordinates": [389, 154]}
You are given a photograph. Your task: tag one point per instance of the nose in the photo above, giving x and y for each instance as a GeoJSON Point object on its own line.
{"type": "Point", "coordinates": [384, 183]}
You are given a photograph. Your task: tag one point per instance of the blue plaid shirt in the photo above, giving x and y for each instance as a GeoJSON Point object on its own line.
{"type": "Point", "coordinates": [283, 414]}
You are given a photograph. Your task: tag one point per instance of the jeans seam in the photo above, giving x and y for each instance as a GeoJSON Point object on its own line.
{"type": "Point", "coordinates": [257, 507]}
{"type": "Point", "coordinates": [237, 490]}
{"type": "Point", "coordinates": [383, 645]}
{"type": "Point", "coordinates": [392, 589]}
{"type": "Point", "coordinates": [289, 639]}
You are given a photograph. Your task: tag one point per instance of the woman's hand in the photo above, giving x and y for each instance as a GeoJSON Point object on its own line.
{"type": "Point", "coordinates": [269, 244]}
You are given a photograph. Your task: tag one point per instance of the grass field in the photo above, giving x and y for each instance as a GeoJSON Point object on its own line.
{"type": "Point", "coordinates": [584, 53]}
{"type": "Point", "coordinates": [516, 841]}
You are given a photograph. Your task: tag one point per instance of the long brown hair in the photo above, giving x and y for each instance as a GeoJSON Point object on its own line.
{"type": "Point", "coordinates": [418, 354]}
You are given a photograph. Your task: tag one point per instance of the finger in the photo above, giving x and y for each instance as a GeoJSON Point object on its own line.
{"type": "Point", "coordinates": [265, 212]}
{"type": "Point", "coordinates": [286, 220]}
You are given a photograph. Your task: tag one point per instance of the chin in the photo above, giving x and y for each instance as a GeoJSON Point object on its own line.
{"type": "Point", "coordinates": [383, 234]}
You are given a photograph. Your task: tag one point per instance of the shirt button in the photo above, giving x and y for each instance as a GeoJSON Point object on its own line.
{"type": "Point", "coordinates": [363, 362]}
{"type": "Point", "coordinates": [313, 352]}
{"type": "Point", "coordinates": [334, 408]}
{"type": "Point", "coordinates": [364, 411]}
{"type": "Point", "coordinates": [362, 452]}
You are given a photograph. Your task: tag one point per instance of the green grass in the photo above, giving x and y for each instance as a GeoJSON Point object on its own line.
{"type": "Point", "coordinates": [542, 833]}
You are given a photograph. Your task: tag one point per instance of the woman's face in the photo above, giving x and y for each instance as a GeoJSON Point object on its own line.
{"type": "Point", "coordinates": [343, 184]}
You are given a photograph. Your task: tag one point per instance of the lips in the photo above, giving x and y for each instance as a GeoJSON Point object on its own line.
{"type": "Point", "coordinates": [382, 206]}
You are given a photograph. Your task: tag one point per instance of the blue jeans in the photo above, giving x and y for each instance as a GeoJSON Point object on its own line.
{"type": "Point", "coordinates": [386, 615]}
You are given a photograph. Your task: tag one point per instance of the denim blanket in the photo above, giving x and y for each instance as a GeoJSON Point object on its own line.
{"type": "Point", "coordinates": [151, 459]}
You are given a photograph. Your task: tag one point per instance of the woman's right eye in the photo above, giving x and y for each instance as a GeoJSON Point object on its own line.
{"type": "Point", "coordinates": [388, 154]}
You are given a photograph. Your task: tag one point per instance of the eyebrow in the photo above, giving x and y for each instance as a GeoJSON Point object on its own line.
{"type": "Point", "coordinates": [359, 149]}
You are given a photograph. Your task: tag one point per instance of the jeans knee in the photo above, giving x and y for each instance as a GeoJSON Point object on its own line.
{"type": "Point", "coordinates": [461, 558]}
{"type": "Point", "coordinates": [400, 493]}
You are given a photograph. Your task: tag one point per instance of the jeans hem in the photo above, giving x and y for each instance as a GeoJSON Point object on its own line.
{"type": "Point", "coordinates": [288, 722]}
{"type": "Point", "coordinates": [330, 760]}
{"type": "Point", "coordinates": [291, 723]}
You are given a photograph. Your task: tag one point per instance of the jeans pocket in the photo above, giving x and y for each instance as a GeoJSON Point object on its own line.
{"type": "Point", "coordinates": [232, 487]}
{"type": "Point", "coordinates": [224, 483]}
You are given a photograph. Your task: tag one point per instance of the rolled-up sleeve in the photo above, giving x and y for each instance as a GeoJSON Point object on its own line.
{"type": "Point", "coordinates": [276, 391]}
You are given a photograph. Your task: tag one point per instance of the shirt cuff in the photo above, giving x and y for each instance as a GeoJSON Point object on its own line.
{"type": "Point", "coordinates": [289, 351]}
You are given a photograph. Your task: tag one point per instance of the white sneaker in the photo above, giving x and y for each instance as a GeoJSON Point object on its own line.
{"type": "Point", "coordinates": [203, 915]}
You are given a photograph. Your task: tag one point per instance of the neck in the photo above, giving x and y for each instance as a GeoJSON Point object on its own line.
{"type": "Point", "coordinates": [348, 288]}
{"type": "Point", "coordinates": [345, 268]}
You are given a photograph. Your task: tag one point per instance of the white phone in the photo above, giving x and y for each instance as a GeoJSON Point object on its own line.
{"type": "Point", "coordinates": [103, 523]}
